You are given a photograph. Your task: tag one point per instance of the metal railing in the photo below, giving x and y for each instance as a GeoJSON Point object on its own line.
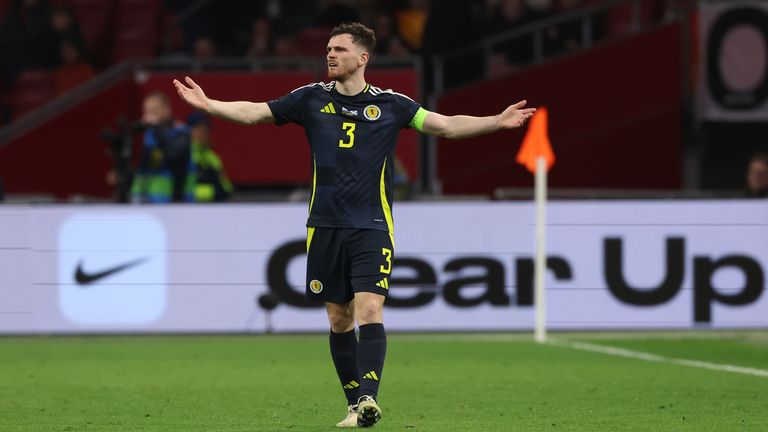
{"type": "Point", "coordinates": [63, 103]}
{"type": "Point", "coordinates": [535, 30]}
{"type": "Point", "coordinates": [135, 68]}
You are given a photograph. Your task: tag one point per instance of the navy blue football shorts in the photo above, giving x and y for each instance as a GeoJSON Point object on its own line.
{"type": "Point", "coordinates": [343, 261]}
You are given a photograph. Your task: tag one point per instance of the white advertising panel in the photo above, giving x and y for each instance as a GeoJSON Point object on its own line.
{"type": "Point", "coordinates": [457, 267]}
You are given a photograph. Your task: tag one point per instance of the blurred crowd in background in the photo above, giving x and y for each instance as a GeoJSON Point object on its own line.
{"type": "Point", "coordinates": [48, 47]}
{"type": "Point", "coordinates": [59, 44]}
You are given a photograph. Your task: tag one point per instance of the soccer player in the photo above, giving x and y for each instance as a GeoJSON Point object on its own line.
{"type": "Point", "coordinates": [352, 129]}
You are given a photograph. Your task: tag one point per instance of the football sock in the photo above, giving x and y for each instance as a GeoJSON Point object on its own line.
{"type": "Point", "coordinates": [344, 353]}
{"type": "Point", "coordinates": [371, 351]}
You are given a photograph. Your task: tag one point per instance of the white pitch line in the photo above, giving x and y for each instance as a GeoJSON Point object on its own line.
{"type": "Point", "coordinates": [639, 355]}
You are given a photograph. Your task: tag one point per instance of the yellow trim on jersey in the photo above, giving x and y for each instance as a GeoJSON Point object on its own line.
{"type": "Point", "coordinates": [385, 205]}
{"type": "Point", "coordinates": [310, 234]}
{"type": "Point", "coordinates": [329, 109]}
{"type": "Point", "coordinates": [311, 230]}
{"type": "Point", "coordinates": [367, 86]}
{"type": "Point", "coordinates": [314, 184]}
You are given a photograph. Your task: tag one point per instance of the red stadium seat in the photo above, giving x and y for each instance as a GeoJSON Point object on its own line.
{"type": "Point", "coordinates": [138, 14]}
{"type": "Point", "coordinates": [313, 40]}
{"type": "Point", "coordinates": [32, 89]}
{"type": "Point", "coordinates": [94, 19]}
{"type": "Point", "coordinates": [620, 18]}
{"type": "Point", "coordinates": [134, 44]}
{"type": "Point", "coordinates": [138, 29]}
{"type": "Point", "coordinates": [168, 25]}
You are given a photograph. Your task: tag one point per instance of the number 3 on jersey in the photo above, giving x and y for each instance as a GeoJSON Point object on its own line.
{"type": "Point", "coordinates": [350, 128]}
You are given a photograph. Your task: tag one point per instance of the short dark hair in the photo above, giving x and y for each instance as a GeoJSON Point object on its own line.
{"type": "Point", "coordinates": [361, 34]}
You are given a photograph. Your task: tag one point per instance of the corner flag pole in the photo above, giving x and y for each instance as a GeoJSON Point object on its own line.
{"type": "Point", "coordinates": [540, 260]}
{"type": "Point", "coordinates": [537, 156]}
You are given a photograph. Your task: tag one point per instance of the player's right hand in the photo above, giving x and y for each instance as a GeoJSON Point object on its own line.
{"type": "Point", "coordinates": [193, 94]}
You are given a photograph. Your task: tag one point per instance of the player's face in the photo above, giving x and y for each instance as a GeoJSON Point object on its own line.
{"type": "Point", "coordinates": [344, 57]}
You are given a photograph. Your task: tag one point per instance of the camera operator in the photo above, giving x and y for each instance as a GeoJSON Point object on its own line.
{"type": "Point", "coordinates": [212, 183]}
{"type": "Point", "coordinates": [166, 172]}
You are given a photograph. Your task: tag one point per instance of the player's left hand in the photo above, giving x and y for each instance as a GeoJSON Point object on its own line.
{"type": "Point", "coordinates": [515, 115]}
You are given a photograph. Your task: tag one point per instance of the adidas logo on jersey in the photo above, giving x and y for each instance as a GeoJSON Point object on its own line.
{"type": "Point", "coordinates": [383, 283]}
{"type": "Point", "coordinates": [329, 109]}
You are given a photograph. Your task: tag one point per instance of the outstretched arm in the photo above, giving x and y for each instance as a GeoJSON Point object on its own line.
{"type": "Point", "coordinates": [240, 112]}
{"type": "Point", "coordinates": [463, 126]}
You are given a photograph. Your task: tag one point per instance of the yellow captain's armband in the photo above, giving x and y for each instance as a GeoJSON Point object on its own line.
{"type": "Point", "coordinates": [417, 122]}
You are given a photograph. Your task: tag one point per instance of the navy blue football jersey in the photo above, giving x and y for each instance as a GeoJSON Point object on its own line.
{"type": "Point", "coordinates": [352, 139]}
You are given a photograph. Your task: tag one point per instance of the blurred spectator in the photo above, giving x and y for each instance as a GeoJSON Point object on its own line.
{"type": "Point", "coordinates": [333, 12]}
{"type": "Point", "coordinates": [212, 183]}
{"type": "Point", "coordinates": [26, 37]}
{"type": "Point", "coordinates": [566, 36]}
{"type": "Point", "coordinates": [411, 22]}
{"type": "Point", "coordinates": [539, 8]}
{"type": "Point", "coordinates": [166, 172]}
{"type": "Point", "coordinates": [262, 39]}
{"type": "Point", "coordinates": [66, 28]}
{"type": "Point", "coordinates": [757, 176]}
{"type": "Point", "coordinates": [204, 48]}
{"type": "Point", "coordinates": [230, 22]}
{"type": "Point", "coordinates": [285, 46]}
{"type": "Point", "coordinates": [74, 70]}
{"type": "Point", "coordinates": [506, 16]}
{"type": "Point", "coordinates": [370, 10]}
{"type": "Point", "coordinates": [388, 42]}
{"type": "Point", "coordinates": [452, 25]}
{"type": "Point", "coordinates": [449, 26]}
{"type": "Point", "coordinates": [292, 16]}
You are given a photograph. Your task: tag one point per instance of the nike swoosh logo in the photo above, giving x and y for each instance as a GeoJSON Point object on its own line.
{"type": "Point", "coordinates": [83, 278]}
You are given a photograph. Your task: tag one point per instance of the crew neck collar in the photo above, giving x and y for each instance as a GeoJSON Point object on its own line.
{"type": "Point", "coordinates": [365, 89]}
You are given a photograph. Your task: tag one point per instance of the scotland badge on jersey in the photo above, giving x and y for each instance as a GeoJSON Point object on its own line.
{"type": "Point", "coordinates": [372, 112]}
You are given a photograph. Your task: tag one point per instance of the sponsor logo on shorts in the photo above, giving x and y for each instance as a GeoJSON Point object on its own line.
{"type": "Point", "coordinates": [372, 112]}
{"type": "Point", "coordinates": [316, 286]}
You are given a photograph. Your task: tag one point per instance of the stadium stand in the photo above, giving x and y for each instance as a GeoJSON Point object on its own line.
{"type": "Point", "coordinates": [95, 19]}
{"type": "Point", "coordinates": [119, 30]}
{"type": "Point", "coordinates": [32, 88]}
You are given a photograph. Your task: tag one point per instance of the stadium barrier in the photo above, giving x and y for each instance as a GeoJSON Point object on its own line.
{"type": "Point", "coordinates": [69, 131]}
{"type": "Point", "coordinates": [460, 266]}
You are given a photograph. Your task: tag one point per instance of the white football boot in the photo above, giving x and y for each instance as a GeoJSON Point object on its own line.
{"type": "Point", "coordinates": [351, 419]}
{"type": "Point", "coordinates": [368, 411]}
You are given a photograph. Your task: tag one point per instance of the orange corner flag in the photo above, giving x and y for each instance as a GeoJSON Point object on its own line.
{"type": "Point", "coordinates": [536, 143]}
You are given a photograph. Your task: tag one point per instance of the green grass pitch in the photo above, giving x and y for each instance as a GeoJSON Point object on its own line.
{"type": "Point", "coordinates": [493, 382]}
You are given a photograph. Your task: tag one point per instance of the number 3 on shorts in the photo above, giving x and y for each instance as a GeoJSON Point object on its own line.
{"type": "Point", "coordinates": [388, 256]}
